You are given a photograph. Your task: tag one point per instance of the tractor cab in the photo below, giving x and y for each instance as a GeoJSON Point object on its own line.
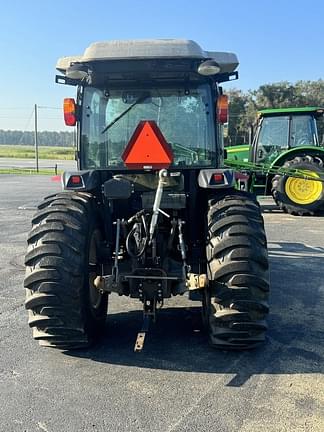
{"type": "Point", "coordinates": [281, 130]}
{"type": "Point", "coordinates": [172, 84]}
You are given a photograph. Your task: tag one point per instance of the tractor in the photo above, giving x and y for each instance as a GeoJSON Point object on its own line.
{"type": "Point", "coordinates": [287, 138]}
{"type": "Point", "coordinates": [151, 212]}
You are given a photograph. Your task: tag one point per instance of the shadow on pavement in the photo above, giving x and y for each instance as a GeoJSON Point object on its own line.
{"type": "Point", "coordinates": [177, 342]}
{"type": "Point", "coordinates": [271, 207]}
{"type": "Point", "coordinates": [268, 205]}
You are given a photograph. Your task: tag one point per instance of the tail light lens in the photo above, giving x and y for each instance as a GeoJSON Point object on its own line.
{"type": "Point", "coordinates": [69, 108]}
{"type": "Point", "coordinates": [222, 109]}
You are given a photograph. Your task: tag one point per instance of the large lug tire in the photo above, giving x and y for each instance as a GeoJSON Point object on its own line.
{"type": "Point", "coordinates": [295, 195]}
{"type": "Point", "coordinates": [65, 309]}
{"type": "Point", "coordinates": [235, 303]}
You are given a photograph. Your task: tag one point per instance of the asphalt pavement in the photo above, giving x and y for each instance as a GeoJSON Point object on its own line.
{"type": "Point", "coordinates": [178, 383]}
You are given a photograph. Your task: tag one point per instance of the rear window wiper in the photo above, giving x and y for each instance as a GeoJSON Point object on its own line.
{"type": "Point", "coordinates": [139, 100]}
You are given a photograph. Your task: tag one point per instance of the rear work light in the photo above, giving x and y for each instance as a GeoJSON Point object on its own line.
{"type": "Point", "coordinates": [69, 108]}
{"type": "Point", "coordinates": [222, 109]}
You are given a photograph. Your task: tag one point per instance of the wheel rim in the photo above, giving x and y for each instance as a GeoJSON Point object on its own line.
{"type": "Point", "coordinates": [94, 294]}
{"type": "Point", "coordinates": [303, 191]}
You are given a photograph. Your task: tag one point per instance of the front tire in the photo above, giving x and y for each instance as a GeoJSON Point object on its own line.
{"type": "Point", "coordinates": [235, 303]}
{"type": "Point", "coordinates": [297, 196]}
{"type": "Point", "coordinates": [65, 309]}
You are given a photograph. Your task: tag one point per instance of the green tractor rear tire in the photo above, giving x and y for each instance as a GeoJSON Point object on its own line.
{"type": "Point", "coordinates": [297, 196]}
{"type": "Point", "coordinates": [66, 311]}
{"type": "Point", "coordinates": [235, 303]}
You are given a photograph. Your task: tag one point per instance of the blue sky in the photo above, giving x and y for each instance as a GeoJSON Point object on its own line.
{"type": "Point", "coordinates": [274, 40]}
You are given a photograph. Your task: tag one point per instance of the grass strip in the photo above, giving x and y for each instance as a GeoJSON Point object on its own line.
{"type": "Point", "coordinates": [44, 152]}
{"type": "Point", "coordinates": [28, 171]}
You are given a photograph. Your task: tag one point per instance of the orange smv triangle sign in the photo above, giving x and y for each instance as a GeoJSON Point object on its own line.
{"type": "Point", "coordinates": [147, 148]}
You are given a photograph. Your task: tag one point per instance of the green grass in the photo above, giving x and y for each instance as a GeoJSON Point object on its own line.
{"type": "Point", "coordinates": [27, 171]}
{"type": "Point", "coordinates": [28, 152]}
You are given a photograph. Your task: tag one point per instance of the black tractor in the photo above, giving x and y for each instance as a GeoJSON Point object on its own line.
{"type": "Point", "coordinates": [151, 212]}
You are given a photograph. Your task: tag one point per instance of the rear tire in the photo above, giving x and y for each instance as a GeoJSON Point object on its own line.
{"type": "Point", "coordinates": [297, 196]}
{"type": "Point", "coordinates": [65, 309]}
{"type": "Point", "coordinates": [235, 303]}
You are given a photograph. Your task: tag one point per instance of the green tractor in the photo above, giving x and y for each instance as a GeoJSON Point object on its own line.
{"type": "Point", "coordinates": [286, 138]}
{"type": "Point", "coordinates": [149, 118]}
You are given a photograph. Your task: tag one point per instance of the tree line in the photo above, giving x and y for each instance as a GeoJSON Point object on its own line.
{"type": "Point", "coordinates": [45, 138]}
{"type": "Point", "coordinates": [243, 106]}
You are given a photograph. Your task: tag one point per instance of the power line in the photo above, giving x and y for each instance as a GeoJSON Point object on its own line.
{"type": "Point", "coordinates": [50, 118]}
{"type": "Point", "coordinates": [15, 108]}
{"type": "Point", "coordinates": [48, 107]}
{"type": "Point", "coordinates": [12, 117]}
{"type": "Point", "coordinates": [28, 107]}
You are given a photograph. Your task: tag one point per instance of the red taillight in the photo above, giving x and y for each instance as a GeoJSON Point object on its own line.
{"type": "Point", "coordinates": [218, 178]}
{"type": "Point", "coordinates": [69, 108]}
{"type": "Point", "coordinates": [76, 180]}
{"type": "Point", "coordinates": [73, 181]}
{"type": "Point", "coordinates": [222, 109]}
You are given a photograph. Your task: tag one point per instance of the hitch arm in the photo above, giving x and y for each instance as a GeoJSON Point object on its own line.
{"type": "Point", "coordinates": [163, 173]}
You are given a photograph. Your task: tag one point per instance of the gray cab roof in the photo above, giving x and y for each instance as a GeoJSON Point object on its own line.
{"type": "Point", "coordinates": [148, 49]}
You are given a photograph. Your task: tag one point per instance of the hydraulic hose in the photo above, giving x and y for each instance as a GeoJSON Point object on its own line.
{"type": "Point", "coordinates": [140, 245]}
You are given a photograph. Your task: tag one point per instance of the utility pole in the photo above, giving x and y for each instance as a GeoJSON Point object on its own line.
{"type": "Point", "coordinates": [36, 138]}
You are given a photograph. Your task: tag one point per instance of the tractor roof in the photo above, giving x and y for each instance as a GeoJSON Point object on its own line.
{"type": "Point", "coordinates": [148, 49]}
{"type": "Point", "coordinates": [284, 111]}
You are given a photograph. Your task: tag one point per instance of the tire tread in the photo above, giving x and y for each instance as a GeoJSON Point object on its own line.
{"type": "Point", "coordinates": [237, 262]}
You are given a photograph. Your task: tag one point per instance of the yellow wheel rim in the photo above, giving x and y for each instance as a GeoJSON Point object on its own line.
{"type": "Point", "coordinates": [303, 191]}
